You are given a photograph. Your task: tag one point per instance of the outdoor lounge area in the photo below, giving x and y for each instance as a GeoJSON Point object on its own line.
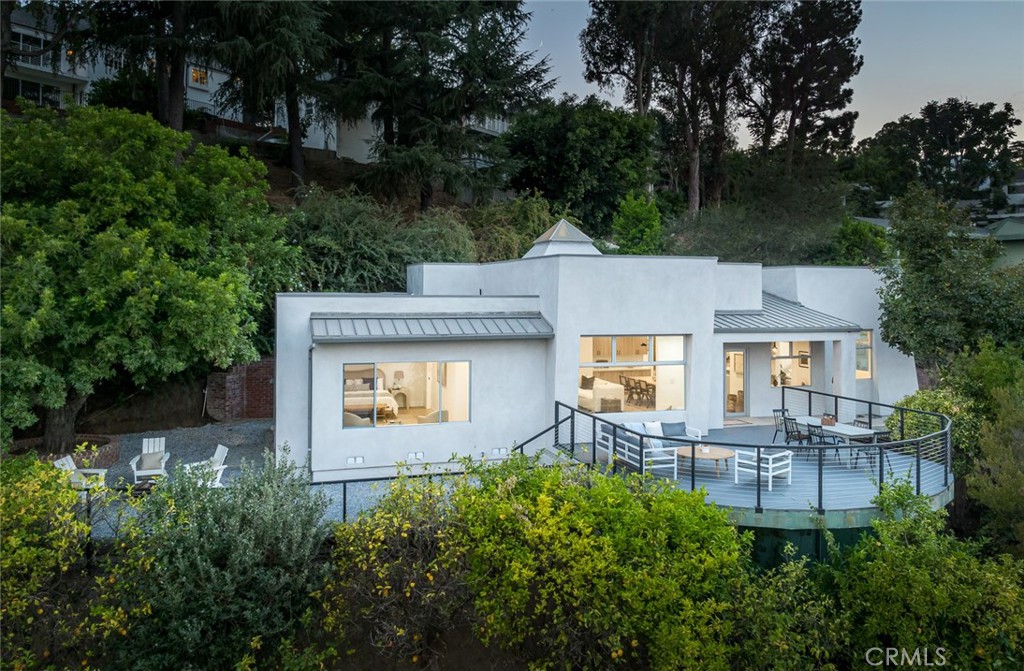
{"type": "Point", "coordinates": [765, 480]}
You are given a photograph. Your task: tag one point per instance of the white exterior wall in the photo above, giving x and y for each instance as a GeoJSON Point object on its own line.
{"type": "Point", "coordinates": [851, 294]}
{"type": "Point", "coordinates": [354, 140]}
{"type": "Point", "coordinates": [506, 371]}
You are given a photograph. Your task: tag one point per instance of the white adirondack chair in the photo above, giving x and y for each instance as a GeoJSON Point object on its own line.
{"type": "Point", "coordinates": [214, 466]}
{"type": "Point", "coordinates": [81, 478]}
{"type": "Point", "coordinates": [152, 462]}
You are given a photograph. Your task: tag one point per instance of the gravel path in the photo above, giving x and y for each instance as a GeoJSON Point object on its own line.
{"type": "Point", "coordinates": [245, 440]}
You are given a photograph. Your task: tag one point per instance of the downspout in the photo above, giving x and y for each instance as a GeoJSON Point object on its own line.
{"type": "Point", "coordinates": [309, 416]}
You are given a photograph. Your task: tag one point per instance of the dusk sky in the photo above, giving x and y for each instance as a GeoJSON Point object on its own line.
{"type": "Point", "coordinates": [914, 52]}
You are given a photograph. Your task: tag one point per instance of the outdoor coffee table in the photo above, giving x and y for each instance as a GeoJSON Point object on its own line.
{"type": "Point", "coordinates": [715, 454]}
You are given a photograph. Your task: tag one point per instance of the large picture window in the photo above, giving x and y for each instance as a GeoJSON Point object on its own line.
{"type": "Point", "coordinates": [864, 356]}
{"type": "Point", "coordinates": [401, 393]}
{"type": "Point", "coordinates": [791, 364]}
{"type": "Point", "coordinates": [630, 373]}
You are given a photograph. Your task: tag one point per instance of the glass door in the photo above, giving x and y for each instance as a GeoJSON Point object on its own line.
{"type": "Point", "coordinates": [735, 382]}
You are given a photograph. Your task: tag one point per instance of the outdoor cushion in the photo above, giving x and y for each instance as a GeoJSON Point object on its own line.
{"type": "Point", "coordinates": [673, 428]}
{"type": "Point", "coordinates": [653, 429]}
{"type": "Point", "coordinates": [151, 461]}
{"type": "Point", "coordinates": [586, 382]}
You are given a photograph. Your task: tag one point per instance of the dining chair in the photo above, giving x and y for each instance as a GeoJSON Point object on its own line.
{"type": "Point", "coordinates": [819, 437]}
{"type": "Point", "coordinates": [780, 425]}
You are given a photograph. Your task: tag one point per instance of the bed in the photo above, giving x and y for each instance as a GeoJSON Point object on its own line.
{"type": "Point", "coordinates": [603, 396]}
{"type": "Point", "coordinates": [360, 387]}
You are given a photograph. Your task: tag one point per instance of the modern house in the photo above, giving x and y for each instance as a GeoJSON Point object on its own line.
{"type": "Point", "coordinates": [475, 356]}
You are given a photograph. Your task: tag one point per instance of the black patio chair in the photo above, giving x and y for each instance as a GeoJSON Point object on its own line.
{"type": "Point", "coordinates": [780, 425]}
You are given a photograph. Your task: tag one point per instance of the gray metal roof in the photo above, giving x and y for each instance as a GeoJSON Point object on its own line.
{"type": "Point", "coordinates": [778, 314]}
{"type": "Point", "coordinates": [405, 327]}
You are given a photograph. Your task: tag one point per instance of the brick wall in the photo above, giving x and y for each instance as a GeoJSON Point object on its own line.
{"type": "Point", "coordinates": [244, 391]}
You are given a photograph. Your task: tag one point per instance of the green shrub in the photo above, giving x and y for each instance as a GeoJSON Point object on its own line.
{"type": "Point", "coordinates": [575, 569]}
{"type": "Point", "coordinates": [858, 243]}
{"type": "Point", "coordinates": [400, 576]}
{"type": "Point", "coordinates": [997, 481]}
{"type": "Point", "coordinates": [507, 230]}
{"type": "Point", "coordinates": [42, 546]}
{"type": "Point", "coordinates": [785, 620]}
{"type": "Point", "coordinates": [913, 586]}
{"type": "Point", "coordinates": [961, 409]}
{"type": "Point", "coordinates": [636, 227]}
{"type": "Point", "coordinates": [210, 577]}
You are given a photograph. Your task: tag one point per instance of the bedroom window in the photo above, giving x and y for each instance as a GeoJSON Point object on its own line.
{"type": "Point", "coordinates": [791, 364]}
{"type": "Point", "coordinates": [409, 392]}
{"type": "Point", "coordinates": [630, 373]}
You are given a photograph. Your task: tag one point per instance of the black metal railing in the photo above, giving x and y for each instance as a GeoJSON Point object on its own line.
{"type": "Point", "coordinates": [924, 457]}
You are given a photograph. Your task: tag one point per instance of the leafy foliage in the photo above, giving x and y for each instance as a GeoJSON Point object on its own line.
{"type": "Point", "coordinates": [575, 569]}
{"type": "Point", "coordinates": [786, 620]}
{"type": "Point", "coordinates": [206, 572]}
{"type": "Point", "coordinates": [123, 256]}
{"type": "Point", "coordinates": [400, 578]}
{"type": "Point", "coordinates": [951, 148]}
{"type": "Point", "coordinates": [998, 478]}
{"type": "Point", "coordinates": [583, 156]}
{"type": "Point", "coordinates": [858, 243]}
{"type": "Point", "coordinates": [636, 227]}
{"type": "Point", "coordinates": [506, 230]}
{"type": "Point", "coordinates": [959, 408]}
{"type": "Point", "coordinates": [353, 243]}
{"type": "Point", "coordinates": [941, 295]}
{"type": "Point", "coordinates": [41, 551]}
{"type": "Point", "coordinates": [911, 585]}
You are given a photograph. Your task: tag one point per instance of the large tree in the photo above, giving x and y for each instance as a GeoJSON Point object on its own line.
{"type": "Point", "coordinates": [272, 51]}
{"type": "Point", "coordinates": [584, 156]}
{"type": "Point", "coordinates": [619, 46]}
{"type": "Point", "coordinates": [123, 258]}
{"type": "Point", "coordinates": [941, 294]}
{"type": "Point", "coordinates": [797, 80]}
{"type": "Point", "coordinates": [425, 71]}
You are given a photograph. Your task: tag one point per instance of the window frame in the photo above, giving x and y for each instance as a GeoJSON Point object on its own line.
{"type": "Point", "coordinates": [615, 362]}
{"type": "Point", "coordinates": [801, 358]}
{"type": "Point", "coordinates": [204, 73]}
{"type": "Point", "coordinates": [442, 382]}
{"type": "Point", "coordinates": [867, 345]}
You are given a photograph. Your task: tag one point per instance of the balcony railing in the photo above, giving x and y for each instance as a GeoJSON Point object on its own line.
{"type": "Point", "coordinates": [829, 477]}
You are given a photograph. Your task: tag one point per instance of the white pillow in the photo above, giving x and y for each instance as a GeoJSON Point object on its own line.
{"type": "Point", "coordinates": [653, 428]}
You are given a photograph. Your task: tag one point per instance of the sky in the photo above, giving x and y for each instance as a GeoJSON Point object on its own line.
{"type": "Point", "coordinates": [914, 52]}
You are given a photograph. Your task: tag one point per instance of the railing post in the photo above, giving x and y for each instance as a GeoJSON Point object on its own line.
{"type": "Point", "coordinates": [810, 403]}
{"type": "Point", "coordinates": [344, 502]}
{"type": "Point", "coordinates": [821, 480]}
{"type": "Point", "coordinates": [643, 457]}
{"type": "Point", "coordinates": [871, 415]}
{"type": "Point", "coordinates": [614, 448]}
{"type": "Point", "coordinates": [558, 427]}
{"type": "Point", "coordinates": [593, 439]}
{"type": "Point", "coordinates": [757, 507]}
{"type": "Point", "coordinates": [693, 465]}
{"type": "Point", "coordinates": [835, 408]}
{"type": "Point", "coordinates": [881, 466]}
{"type": "Point", "coordinates": [783, 398]}
{"type": "Point", "coordinates": [946, 456]}
{"type": "Point", "coordinates": [572, 433]}
{"type": "Point", "coordinates": [919, 466]}
{"type": "Point", "coordinates": [903, 415]}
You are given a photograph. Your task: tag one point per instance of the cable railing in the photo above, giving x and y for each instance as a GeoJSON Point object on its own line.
{"type": "Point", "coordinates": [775, 476]}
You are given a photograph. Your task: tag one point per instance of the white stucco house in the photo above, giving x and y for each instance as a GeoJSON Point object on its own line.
{"type": "Point", "coordinates": [474, 356]}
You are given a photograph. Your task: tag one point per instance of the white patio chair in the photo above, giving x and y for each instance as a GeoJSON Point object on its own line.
{"type": "Point", "coordinates": [152, 462]}
{"type": "Point", "coordinates": [772, 465]}
{"type": "Point", "coordinates": [214, 465]}
{"type": "Point", "coordinates": [81, 478]}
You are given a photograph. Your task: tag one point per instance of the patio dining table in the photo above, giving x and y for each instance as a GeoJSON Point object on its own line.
{"type": "Point", "coordinates": [844, 432]}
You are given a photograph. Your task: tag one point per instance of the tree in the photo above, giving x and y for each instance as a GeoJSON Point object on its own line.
{"type": "Point", "coordinates": [619, 46]}
{"type": "Point", "coordinates": [425, 71]}
{"type": "Point", "coordinates": [636, 227]}
{"type": "Point", "coordinates": [941, 294]}
{"type": "Point", "coordinates": [272, 51]}
{"type": "Point", "coordinates": [953, 148]}
{"type": "Point", "coordinates": [142, 34]}
{"type": "Point", "coordinates": [800, 73]}
{"type": "Point", "coordinates": [124, 258]}
{"type": "Point", "coordinates": [584, 156]}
